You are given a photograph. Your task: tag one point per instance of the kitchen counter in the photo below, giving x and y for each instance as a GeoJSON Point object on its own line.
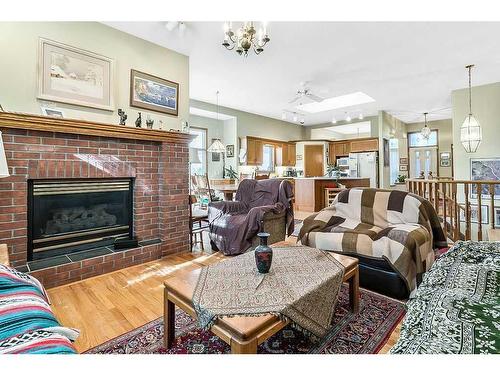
{"type": "Point", "coordinates": [310, 191]}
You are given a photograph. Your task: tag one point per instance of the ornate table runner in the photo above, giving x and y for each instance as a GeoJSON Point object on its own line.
{"type": "Point", "coordinates": [302, 285]}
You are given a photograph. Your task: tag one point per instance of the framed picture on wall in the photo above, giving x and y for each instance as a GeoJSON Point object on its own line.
{"type": "Point", "coordinates": [215, 155]}
{"type": "Point", "coordinates": [474, 214]}
{"type": "Point", "coordinates": [53, 112]}
{"type": "Point", "coordinates": [153, 93]}
{"type": "Point", "coordinates": [485, 169]}
{"type": "Point", "coordinates": [403, 161]}
{"type": "Point", "coordinates": [72, 75]}
{"type": "Point", "coordinates": [403, 167]}
{"type": "Point", "coordinates": [230, 151]}
{"type": "Point", "coordinates": [445, 163]}
{"type": "Point", "coordinates": [497, 217]}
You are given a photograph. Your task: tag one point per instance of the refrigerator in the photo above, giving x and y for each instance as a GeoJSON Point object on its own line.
{"type": "Point", "coordinates": [364, 164]}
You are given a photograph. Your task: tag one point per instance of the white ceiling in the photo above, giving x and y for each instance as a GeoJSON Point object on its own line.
{"type": "Point", "coordinates": [408, 68]}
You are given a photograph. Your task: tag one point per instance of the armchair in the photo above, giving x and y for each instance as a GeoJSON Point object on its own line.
{"type": "Point", "coordinates": [259, 206]}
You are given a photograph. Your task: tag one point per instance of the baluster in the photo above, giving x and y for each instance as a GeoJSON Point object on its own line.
{"type": "Point", "coordinates": [492, 202]}
{"type": "Point", "coordinates": [456, 234]}
{"type": "Point", "coordinates": [445, 224]}
{"type": "Point", "coordinates": [479, 188]}
{"type": "Point", "coordinates": [467, 212]}
{"type": "Point", "coordinates": [436, 197]}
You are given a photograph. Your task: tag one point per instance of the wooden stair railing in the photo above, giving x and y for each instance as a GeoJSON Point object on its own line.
{"type": "Point", "coordinates": [445, 194]}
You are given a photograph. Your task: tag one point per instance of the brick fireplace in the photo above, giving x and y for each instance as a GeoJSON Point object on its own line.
{"type": "Point", "coordinates": [156, 162]}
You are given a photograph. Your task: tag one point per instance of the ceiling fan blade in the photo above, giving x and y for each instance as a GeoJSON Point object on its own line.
{"type": "Point", "coordinates": [314, 97]}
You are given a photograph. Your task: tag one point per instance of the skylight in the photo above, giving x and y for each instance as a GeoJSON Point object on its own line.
{"type": "Point", "coordinates": [342, 101]}
{"type": "Point", "coordinates": [354, 128]}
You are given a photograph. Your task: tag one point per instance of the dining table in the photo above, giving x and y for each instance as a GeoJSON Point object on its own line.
{"type": "Point", "coordinates": [227, 189]}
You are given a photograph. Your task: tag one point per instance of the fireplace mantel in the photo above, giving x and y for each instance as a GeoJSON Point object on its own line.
{"type": "Point", "coordinates": [59, 125]}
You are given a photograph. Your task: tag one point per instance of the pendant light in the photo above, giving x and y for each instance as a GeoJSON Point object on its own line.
{"type": "Point", "coordinates": [470, 131]}
{"type": "Point", "coordinates": [425, 132]}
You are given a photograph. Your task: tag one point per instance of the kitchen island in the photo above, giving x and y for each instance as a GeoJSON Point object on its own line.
{"type": "Point", "coordinates": [310, 191]}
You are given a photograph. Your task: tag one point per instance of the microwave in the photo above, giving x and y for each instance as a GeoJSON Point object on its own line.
{"type": "Point", "coordinates": [343, 162]}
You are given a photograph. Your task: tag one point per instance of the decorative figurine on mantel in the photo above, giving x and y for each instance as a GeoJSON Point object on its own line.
{"type": "Point", "coordinates": [123, 116]}
{"type": "Point", "coordinates": [161, 125]}
{"type": "Point", "coordinates": [138, 121]}
{"type": "Point", "coordinates": [185, 127]}
{"type": "Point", "coordinates": [149, 122]}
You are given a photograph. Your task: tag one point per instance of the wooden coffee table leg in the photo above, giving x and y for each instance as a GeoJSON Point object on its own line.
{"type": "Point", "coordinates": [354, 291]}
{"type": "Point", "coordinates": [247, 347]}
{"type": "Point", "coordinates": [168, 321]}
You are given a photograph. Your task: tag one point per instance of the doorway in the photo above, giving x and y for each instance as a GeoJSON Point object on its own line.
{"type": "Point", "coordinates": [423, 159]}
{"type": "Point", "coordinates": [314, 160]}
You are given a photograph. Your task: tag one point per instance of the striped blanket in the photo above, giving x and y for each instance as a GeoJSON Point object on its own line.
{"type": "Point", "coordinates": [397, 226]}
{"type": "Point", "coordinates": [27, 324]}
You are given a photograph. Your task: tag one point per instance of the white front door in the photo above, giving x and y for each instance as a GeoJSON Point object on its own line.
{"type": "Point", "coordinates": [423, 159]}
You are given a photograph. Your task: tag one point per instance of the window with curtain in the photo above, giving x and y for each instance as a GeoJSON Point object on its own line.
{"type": "Point", "coordinates": [394, 159]}
{"type": "Point", "coordinates": [199, 143]}
{"type": "Point", "coordinates": [268, 159]}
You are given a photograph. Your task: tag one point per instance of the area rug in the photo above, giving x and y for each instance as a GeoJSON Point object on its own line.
{"type": "Point", "coordinates": [362, 333]}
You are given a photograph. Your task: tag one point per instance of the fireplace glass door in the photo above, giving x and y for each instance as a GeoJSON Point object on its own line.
{"type": "Point", "coordinates": [72, 215]}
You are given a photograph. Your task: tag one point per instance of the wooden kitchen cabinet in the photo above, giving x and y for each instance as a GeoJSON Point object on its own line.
{"type": "Point", "coordinates": [291, 154]}
{"type": "Point", "coordinates": [255, 151]}
{"type": "Point", "coordinates": [285, 154]}
{"type": "Point", "coordinates": [364, 145]}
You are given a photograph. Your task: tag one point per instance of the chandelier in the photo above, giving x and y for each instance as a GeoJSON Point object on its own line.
{"type": "Point", "coordinates": [245, 38]}
{"type": "Point", "coordinates": [426, 131]}
{"type": "Point", "coordinates": [470, 131]}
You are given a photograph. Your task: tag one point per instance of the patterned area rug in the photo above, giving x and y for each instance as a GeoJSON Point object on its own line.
{"type": "Point", "coordinates": [362, 333]}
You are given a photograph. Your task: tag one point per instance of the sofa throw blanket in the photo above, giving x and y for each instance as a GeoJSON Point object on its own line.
{"type": "Point", "coordinates": [233, 225]}
{"type": "Point", "coordinates": [456, 308]}
{"type": "Point", "coordinates": [400, 227]}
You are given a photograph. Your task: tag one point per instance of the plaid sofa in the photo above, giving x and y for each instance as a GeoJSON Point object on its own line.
{"type": "Point", "coordinates": [27, 324]}
{"type": "Point", "coordinates": [398, 228]}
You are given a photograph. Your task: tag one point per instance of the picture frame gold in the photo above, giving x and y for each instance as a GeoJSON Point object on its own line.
{"type": "Point", "coordinates": [153, 93]}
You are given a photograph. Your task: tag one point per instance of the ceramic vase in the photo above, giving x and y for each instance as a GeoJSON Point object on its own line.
{"type": "Point", "coordinates": [263, 254]}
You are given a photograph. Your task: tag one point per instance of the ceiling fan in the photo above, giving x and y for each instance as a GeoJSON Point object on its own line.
{"type": "Point", "coordinates": [305, 92]}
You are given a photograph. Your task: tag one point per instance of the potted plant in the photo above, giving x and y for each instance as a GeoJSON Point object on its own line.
{"type": "Point", "coordinates": [401, 179]}
{"type": "Point", "coordinates": [334, 172]}
{"type": "Point", "coordinates": [231, 174]}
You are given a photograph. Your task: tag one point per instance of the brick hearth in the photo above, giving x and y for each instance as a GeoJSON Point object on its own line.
{"type": "Point", "coordinates": [160, 169]}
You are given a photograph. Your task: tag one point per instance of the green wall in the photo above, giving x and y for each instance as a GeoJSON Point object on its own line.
{"type": "Point", "coordinates": [18, 67]}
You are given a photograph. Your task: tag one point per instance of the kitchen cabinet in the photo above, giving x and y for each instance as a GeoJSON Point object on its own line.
{"type": "Point", "coordinates": [291, 154]}
{"type": "Point", "coordinates": [343, 148]}
{"type": "Point", "coordinates": [364, 145]}
{"type": "Point", "coordinates": [255, 151]}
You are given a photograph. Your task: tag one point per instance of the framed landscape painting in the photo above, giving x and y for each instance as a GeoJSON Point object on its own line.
{"type": "Point", "coordinates": [72, 75]}
{"type": "Point", "coordinates": [153, 93]}
{"type": "Point", "coordinates": [485, 169]}
{"type": "Point", "coordinates": [474, 214]}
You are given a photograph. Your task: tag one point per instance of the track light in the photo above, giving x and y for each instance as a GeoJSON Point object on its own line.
{"type": "Point", "coordinates": [295, 117]}
{"type": "Point", "coordinates": [302, 120]}
{"type": "Point", "coordinates": [334, 121]}
{"type": "Point", "coordinates": [171, 25]}
{"type": "Point", "coordinates": [283, 115]}
{"type": "Point", "coordinates": [361, 117]}
{"type": "Point", "coordinates": [348, 118]}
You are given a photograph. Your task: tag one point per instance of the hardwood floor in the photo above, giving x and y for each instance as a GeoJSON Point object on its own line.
{"type": "Point", "coordinates": [112, 304]}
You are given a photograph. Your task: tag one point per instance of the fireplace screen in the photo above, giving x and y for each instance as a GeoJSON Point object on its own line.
{"type": "Point", "coordinates": [72, 215]}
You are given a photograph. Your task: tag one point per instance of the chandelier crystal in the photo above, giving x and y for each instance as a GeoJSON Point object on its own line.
{"type": "Point", "coordinates": [470, 131]}
{"type": "Point", "coordinates": [426, 131]}
{"type": "Point", "coordinates": [245, 38]}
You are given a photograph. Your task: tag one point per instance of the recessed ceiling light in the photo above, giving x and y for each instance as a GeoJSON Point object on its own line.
{"type": "Point", "coordinates": [336, 102]}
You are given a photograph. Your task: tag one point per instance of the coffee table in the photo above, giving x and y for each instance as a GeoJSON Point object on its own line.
{"type": "Point", "coordinates": [242, 333]}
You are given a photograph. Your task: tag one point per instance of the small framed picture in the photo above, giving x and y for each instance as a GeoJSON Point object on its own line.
{"type": "Point", "coordinates": [299, 157]}
{"type": "Point", "coordinates": [230, 151]}
{"type": "Point", "coordinates": [445, 155]}
{"type": "Point", "coordinates": [403, 161]}
{"type": "Point", "coordinates": [445, 163]}
{"type": "Point", "coordinates": [52, 112]}
{"type": "Point", "coordinates": [153, 93]}
{"type": "Point", "coordinates": [403, 168]}
{"type": "Point", "coordinates": [497, 217]}
{"type": "Point", "coordinates": [474, 214]}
